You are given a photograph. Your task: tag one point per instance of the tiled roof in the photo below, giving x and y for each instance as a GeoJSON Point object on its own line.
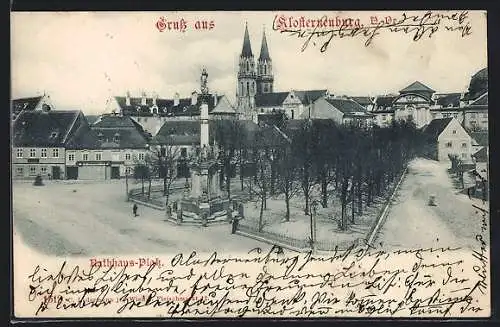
{"type": "Point", "coordinates": [346, 105]}
{"type": "Point", "coordinates": [481, 155]}
{"type": "Point", "coordinates": [114, 131]}
{"type": "Point", "coordinates": [91, 119]}
{"type": "Point", "coordinates": [436, 127]}
{"type": "Point", "coordinates": [362, 100]}
{"type": "Point", "coordinates": [482, 100]}
{"type": "Point", "coordinates": [166, 107]}
{"type": "Point", "coordinates": [416, 87]}
{"type": "Point", "coordinates": [47, 129]}
{"type": "Point", "coordinates": [384, 103]}
{"type": "Point", "coordinates": [274, 99]}
{"type": "Point", "coordinates": [83, 138]}
{"type": "Point", "coordinates": [28, 104]}
{"type": "Point", "coordinates": [309, 96]}
{"type": "Point", "coordinates": [448, 99]}
{"type": "Point", "coordinates": [480, 137]}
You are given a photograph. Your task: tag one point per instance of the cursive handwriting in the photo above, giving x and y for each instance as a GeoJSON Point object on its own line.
{"type": "Point", "coordinates": [416, 25]}
{"type": "Point", "coordinates": [356, 281]}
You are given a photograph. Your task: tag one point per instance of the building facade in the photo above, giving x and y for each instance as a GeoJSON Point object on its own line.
{"type": "Point", "coordinates": [447, 137]}
{"type": "Point", "coordinates": [112, 146]}
{"type": "Point", "coordinates": [39, 142]}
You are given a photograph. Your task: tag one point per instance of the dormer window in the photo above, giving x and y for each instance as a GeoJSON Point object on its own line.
{"type": "Point", "coordinates": [116, 138]}
{"type": "Point", "coordinates": [100, 136]}
{"type": "Point", "coordinates": [53, 135]}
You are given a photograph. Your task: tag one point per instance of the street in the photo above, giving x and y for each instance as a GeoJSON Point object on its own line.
{"type": "Point", "coordinates": [412, 223]}
{"type": "Point", "coordinates": [87, 219]}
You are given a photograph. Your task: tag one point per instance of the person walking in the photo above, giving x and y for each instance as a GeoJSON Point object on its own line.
{"type": "Point", "coordinates": [134, 210]}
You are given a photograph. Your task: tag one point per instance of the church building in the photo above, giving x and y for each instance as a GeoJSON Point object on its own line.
{"type": "Point", "coordinates": [256, 96]}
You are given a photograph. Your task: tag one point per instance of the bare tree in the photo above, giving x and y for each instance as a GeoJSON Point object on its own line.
{"type": "Point", "coordinates": [288, 178]}
{"type": "Point", "coordinates": [164, 161]}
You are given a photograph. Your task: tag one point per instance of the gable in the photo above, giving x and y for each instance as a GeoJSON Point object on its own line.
{"type": "Point", "coordinates": [292, 99]}
{"type": "Point", "coordinates": [454, 125]}
{"type": "Point", "coordinates": [411, 98]}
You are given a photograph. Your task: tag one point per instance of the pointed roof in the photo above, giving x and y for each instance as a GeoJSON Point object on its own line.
{"type": "Point", "coordinates": [436, 127]}
{"type": "Point", "coordinates": [264, 51]}
{"type": "Point", "coordinates": [247, 48]}
{"type": "Point", "coordinates": [415, 87]}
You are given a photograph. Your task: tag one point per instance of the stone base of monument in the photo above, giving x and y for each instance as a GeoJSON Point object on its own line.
{"type": "Point", "coordinates": [200, 213]}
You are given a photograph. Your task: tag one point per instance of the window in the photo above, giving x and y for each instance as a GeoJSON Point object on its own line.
{"type": "Point", "coordinates": [141, 156]}
{"type": "Point", "coordinates": [55, 153]}
{"type": "Point", "coordinates": [43, 153]}
{"type": "Point", "coordinates": [71, 157]}
{"type": "Point", "coordinates": [454, 131]}
{"type": "Point", "coordinates": [85, 157]}
{"type": "Point", "coordinates": [473, 115]}
{"type": "Point", "coordinates": [43, 170]}
{"type": "Point", "coordinates": [127, 156]}
{"type": "Point", "coordinates": [485, 115]}
{"type": "Point", "coordinates": [183, 152]}
{"type": "Point", "coordinates": [32, 153]}
{"type": "Point", "coordinates": [464, 155]}
{"type": "Point", "coordinates": [98, 156]}
{"type": "Point", "coordinates": [128, 171]}
{"type": "Point", "coordinates": [32, 170]}
{"type": "Point", "coordinates": [19, 171]}
{"type": "Point", "coordinates": [464, 145]}
{"type": "Point", "coordinates": [384, 117]}
{"type": "Point", "coordinates": [449, 144]}
{"type": "Point", "coordinates": [53, 135]}
{"type": "Point", "coordinates": [19, 153]}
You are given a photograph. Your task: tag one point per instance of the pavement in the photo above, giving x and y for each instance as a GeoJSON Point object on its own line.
{"type": "Point", "coordinates": [73, 219]}
{"type": "Point", "coordinates": [412, 223]}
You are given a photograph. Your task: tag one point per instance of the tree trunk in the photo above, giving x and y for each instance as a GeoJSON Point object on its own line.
{"type": "Point", "coordinates": [360, 197]}
{"type": "Point", "coordinates": [324, 194]}
{"type": "Point", "coordinates": [343, 200]}
{"type": "Point", "coordinates": [149, 189]}
{"type": "Point", "coordinates": [165, 185]}
{"type": "Point", "coordinates": [142, 182]}
{"type": "Point", "coordinates": [261, 215]}
{"type": "Point", "coordinates": [287, 202]}
{"type": "Point", "coordinates": [221, 179]}
{"type": "Point", "coordinates": [352, 203]}
{"type": "Point", "coordinates": [228, 185]}
{"type": "Point", "coordinates": [273, 179]}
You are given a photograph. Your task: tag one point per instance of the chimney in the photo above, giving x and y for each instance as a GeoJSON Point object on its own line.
{"type": "Point", "coordinates": [215, 99]}
{"type": "Point", "coordinates": [194, 98]}
{"type": "Point", "coordinates": [155, 98]}
{"type": "Point", "coordinates": [127, 99]}
{"type": "Point", "coordinates": [143, 99]}
{"type": "Point", "coordinates": [176, 99]}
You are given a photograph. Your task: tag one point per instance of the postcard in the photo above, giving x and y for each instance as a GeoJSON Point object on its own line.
{"type": "Point", "coordinates": [272, 164]}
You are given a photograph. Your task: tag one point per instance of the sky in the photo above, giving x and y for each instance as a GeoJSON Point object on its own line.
{"type": "Point", "coordinates": [84, 59]}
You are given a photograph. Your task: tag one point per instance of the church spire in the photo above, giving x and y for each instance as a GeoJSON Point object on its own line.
{"type": "Point", "coordinates": [247, 49]}
{"type": "Point", "coordinates": [264, 51]}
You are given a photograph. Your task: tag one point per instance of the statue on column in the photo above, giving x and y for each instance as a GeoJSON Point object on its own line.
{"type": "Point", "coordinates": [203, 80]}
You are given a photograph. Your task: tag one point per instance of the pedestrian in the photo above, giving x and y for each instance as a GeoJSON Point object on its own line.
{"type": "Point", "coordinates": [134, 210]}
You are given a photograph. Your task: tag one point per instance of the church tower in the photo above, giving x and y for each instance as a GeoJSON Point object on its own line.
{"type": "Point", "coordinates": [265, 77]}
{"type": "Point", "coordinates": [247, 78]}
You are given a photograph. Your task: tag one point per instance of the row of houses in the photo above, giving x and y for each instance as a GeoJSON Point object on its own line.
{"type": "Point", "coordinates": [59, 144]}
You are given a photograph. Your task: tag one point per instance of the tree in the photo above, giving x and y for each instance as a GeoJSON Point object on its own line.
{"type": "Point", "coordinates": [142, 173]}
{"type": "Point", "coordinates": [288, 177]}
{"type": "Point", "coordinates": [229, 136]}
{"type": "Point", "coordinates": [302, 151]}
{"type": "Point", "coordinates": [163, 161]}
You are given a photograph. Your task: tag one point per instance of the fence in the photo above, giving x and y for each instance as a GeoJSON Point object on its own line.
{"type": "Point", "coordinates": [136, 195]}
{"type": "Point", "coordinates": [281, 238]}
